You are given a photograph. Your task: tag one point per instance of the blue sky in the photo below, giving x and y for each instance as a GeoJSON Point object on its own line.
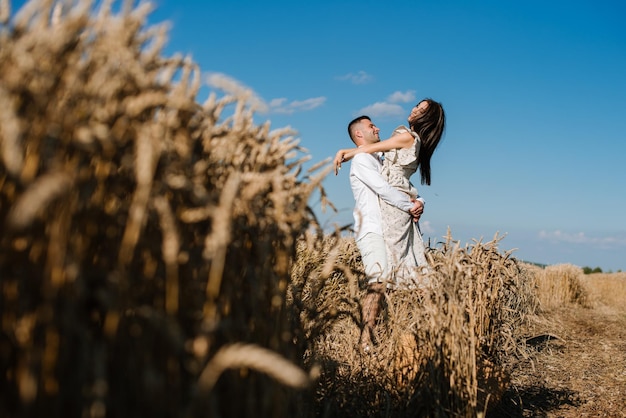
{"type": "Point", "coordinates": [534, 93]}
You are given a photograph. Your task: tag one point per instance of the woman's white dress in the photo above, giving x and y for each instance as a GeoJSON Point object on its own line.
{"type": "Point", "coordinates": [405, 246]}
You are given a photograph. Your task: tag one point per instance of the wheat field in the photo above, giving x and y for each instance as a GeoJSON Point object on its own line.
{"type": "Point", "coordinates": [159, 257]}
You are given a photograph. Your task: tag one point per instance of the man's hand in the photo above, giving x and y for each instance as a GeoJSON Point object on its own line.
{"type": "Point", "coordinates": [417, 210]}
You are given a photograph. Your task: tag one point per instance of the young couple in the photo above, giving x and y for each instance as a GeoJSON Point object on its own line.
{"type": "Point", "coordinates": [387, 206]}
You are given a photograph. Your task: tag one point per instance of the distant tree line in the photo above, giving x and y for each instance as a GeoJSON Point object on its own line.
{"type": "Point", "coordinates": [586, 270]}
{"type": "Point", "coordinates": [589, 270]}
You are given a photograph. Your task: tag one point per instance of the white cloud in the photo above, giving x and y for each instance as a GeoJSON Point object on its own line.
{"type": "Point", "coordinates": [277, 102]}
{"type": "Point", "coordinates": [391, 106]}
{"type": "Point", "coordinates": [581, 238]}
{"type": "Point", "coordinates": [559, 236]}
{"type": "Point", "coordinates": [426, 227]}
{"type": "Point", "coordinates": [383, 109]}
{"type": "Point", "coordinates": [402, 97]}
{"type": "Point", "coordinates": [281, 105]}
{"type": "Point", "coordinates": [359, 78]}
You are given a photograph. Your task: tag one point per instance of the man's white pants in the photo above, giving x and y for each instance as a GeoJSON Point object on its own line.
{"type": "Point", "coordinates": [374, 257]}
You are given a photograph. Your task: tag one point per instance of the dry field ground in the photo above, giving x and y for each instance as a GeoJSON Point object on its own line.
{"type": "Point", "coordinates": [582, 373]}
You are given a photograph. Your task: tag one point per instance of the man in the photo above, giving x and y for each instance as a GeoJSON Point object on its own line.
{"type": "Point", "coordinates": [367, 186]}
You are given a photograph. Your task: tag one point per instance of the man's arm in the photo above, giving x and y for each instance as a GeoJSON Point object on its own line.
{"type": "Point", "coordinates": [366, 170]}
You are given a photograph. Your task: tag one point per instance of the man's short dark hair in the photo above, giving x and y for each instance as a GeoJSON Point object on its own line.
{"type": "Point", "coordinates": [354, 122]}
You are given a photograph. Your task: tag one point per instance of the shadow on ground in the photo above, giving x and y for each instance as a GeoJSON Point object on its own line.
{"type": "Point", "coordinates": [533, 401]}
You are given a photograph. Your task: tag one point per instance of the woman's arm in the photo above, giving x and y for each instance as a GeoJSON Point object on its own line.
{"type": "Point", "coordinates": [401, 140]}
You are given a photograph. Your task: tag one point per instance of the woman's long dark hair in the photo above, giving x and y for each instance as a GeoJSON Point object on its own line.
{"type": "Point", "coordinates": [429, 127]}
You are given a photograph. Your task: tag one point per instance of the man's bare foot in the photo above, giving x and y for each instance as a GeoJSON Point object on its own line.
{"type": "Point", "coordinates": [366, 341]}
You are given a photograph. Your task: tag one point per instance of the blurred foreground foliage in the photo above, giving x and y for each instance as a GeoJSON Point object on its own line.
{"type": "Point", "coordinates": [141, 231]}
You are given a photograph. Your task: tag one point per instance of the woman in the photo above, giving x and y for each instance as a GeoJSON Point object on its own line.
{"type": "Point", "coordinates": [407, 149]}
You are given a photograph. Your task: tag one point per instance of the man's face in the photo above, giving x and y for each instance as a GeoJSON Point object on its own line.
{"type": "Point", "coordinates": [370, 132]}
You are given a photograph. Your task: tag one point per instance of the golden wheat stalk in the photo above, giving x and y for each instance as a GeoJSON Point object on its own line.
{"type": "Point", "coordinates": [256, 358]}
{"type": "Point", "coordinates": [12, 156]}
{"type": "Point", "coordinates": [37, 197]}
{"type": "Point", "coordinates": [5, 11]}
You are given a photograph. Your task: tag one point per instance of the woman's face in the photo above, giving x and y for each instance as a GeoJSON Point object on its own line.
{"type": "Point", "coordinates": [418, 111]}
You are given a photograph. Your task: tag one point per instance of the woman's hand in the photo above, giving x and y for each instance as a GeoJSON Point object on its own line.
{"type": "Point", "coordinates": [340, 157]}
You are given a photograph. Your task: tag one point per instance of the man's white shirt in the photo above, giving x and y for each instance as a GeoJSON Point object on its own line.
{"type": "Point", "coordinates": [367, 186]}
